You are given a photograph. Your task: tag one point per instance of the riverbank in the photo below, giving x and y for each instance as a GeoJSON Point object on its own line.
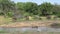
{"type": "Point", "coordinates": [39, 23]}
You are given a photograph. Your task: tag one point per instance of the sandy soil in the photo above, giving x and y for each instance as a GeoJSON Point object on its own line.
{"type": "Point", "coordinates": [44, 23]}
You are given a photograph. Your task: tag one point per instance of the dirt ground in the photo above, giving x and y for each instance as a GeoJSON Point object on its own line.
{"type": "Point", "coordinates": [44, 23]}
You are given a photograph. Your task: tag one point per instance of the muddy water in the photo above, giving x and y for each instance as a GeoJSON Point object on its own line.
{"type": "Point", "coordinates": [40, 29]}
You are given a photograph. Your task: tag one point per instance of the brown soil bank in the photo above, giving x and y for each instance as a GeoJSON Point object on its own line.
{"type": "Point", "coordinates": [41, 23]}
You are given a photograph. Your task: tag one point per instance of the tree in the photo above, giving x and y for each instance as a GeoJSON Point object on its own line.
{"type": "Point", "coordinates": [31, 8]}
{"type": "Point", "coordinates": [20, 8]}
{"type": "Point", "coordinates": [20, 5]}
{"type": "Point", "coordinates": [6, 6]}
{"type": "Point", "coordinates": [46, 8]}
{"type": "Point", "coordinates": [27, 9]}
{"type": "Point", "coordinates": [56, 10]}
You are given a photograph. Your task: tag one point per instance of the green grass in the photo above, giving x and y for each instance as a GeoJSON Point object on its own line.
{"type": "Point", "coordinates": [2, 31]}
{"type": "Point", "coordinates": [27, 32]}
{"type": "Point", "coordinates": [33, 33]}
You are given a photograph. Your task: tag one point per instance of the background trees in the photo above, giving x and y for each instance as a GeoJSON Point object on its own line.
{"type": "Point", "coordinates": [31, 8]}
{"type": "Point", "coordinates": [46, 8]}
{"type": "Point", "coordinates": [56, 10]}
{"type": "Point", "coordinates": [6, 6]}
{"type": "Point", "coordinates": [19, 9]}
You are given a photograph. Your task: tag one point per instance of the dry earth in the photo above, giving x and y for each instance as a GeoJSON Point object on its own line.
{"type": "Point", "coordinates": [26, 23]}
{"type": "Point", "coordinates": [44, 23]}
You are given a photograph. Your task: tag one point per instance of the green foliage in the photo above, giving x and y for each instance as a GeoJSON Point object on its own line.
{"type": "Point", "coordinates": [20, 5]}
{"type": "Point", "coordinates": [11, 9]}
{"type": "Point", "coordinates": [56, 10]}
{"type": "Point", "coordinates": [46, 8]}
{"type": "Point", "coordinates": [10, 14]}
{"type": "Point", "coordinates": [6, 6]}
{"type": "Point", "coordinates": [31, 8]}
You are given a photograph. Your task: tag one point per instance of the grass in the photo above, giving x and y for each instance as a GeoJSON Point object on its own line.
{"type": "Point", "coordinates": [28, 32]}
{"type": "Point", "coordinates": [4, 20]}
{"type": "Point", "coordinates": [2, 31]}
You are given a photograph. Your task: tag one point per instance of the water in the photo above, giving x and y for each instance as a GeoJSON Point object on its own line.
{"type": "Point", "coordinates": [40, 29]}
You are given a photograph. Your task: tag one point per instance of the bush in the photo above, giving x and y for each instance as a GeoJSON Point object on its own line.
{"type": "Point", "coordinates": [10, 14]}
